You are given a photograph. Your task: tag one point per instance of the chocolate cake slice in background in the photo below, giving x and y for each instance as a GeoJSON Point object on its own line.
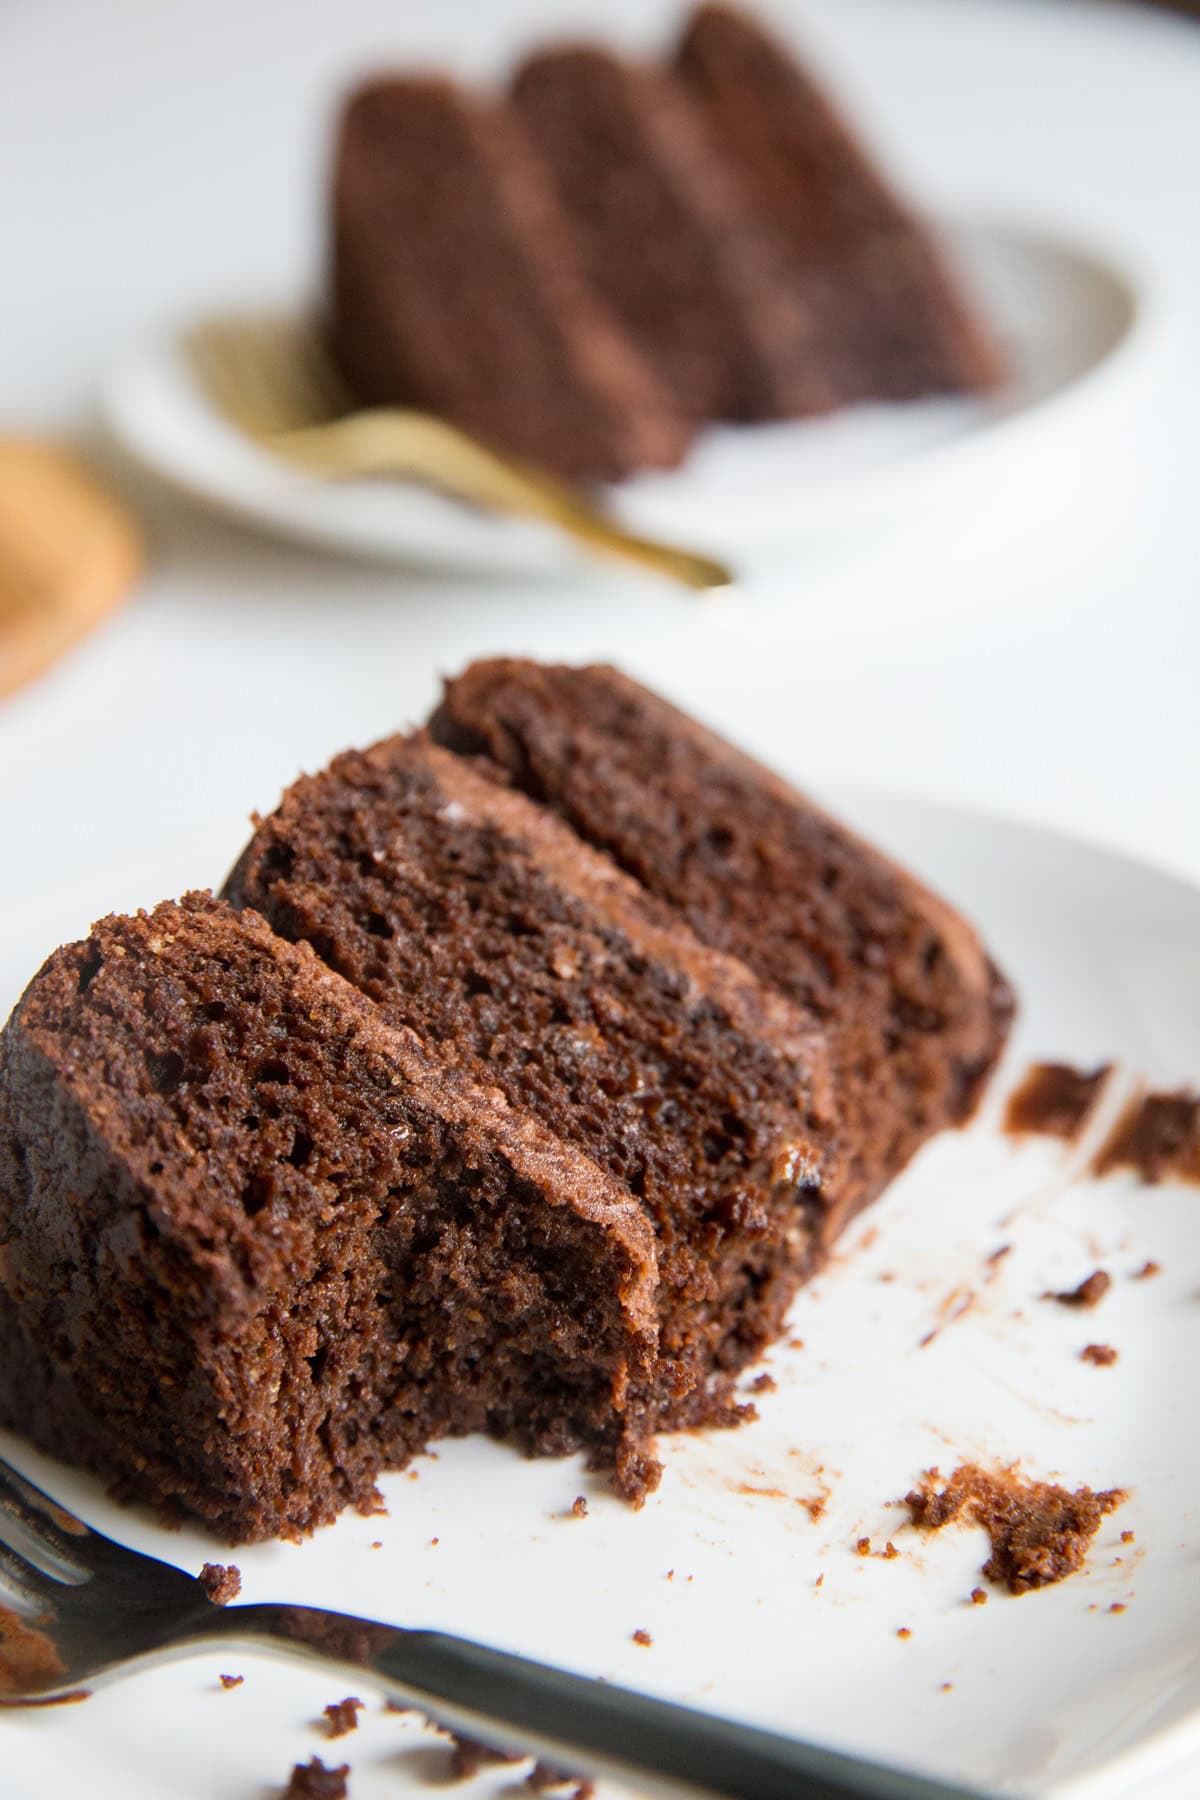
{"type": "Point", "coordinates": [915, 1012]}
{"type": "Point", "coordinates": [892, 321]}
{"type": "Point", "coordinates": [258, 1247]}
{"type": "Point", "coordinates": [455, 287]}
{"type": "Point", "coordinates": [667, 239]}
{"type": "Point", "coordinates": [477, 918]}
{"type": "Point", "coordinates": [589, 271]}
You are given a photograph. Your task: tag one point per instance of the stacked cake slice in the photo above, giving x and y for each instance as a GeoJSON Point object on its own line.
{"type": "Point", "coordinates": [515, 1084]}
{"type": "Point", "coordinates": [587, 271]}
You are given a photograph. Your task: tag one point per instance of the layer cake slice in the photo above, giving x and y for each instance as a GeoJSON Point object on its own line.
{"type": "Point", "coordinates": [480, 921]}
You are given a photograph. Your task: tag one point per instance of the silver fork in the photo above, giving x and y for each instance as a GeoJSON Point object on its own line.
{"type": "Point", "coordinates": [87, 1609]}
{"type": "Point", "coordinates": [272, 377]}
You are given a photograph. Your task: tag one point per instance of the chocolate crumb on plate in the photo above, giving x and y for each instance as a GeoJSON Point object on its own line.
{"type": "Point", "coordinates": [1040, 1533]}
{"type": "Point", "coordinates": [767, 1493]}
{"type": "Point", "coordinates": [221, 1582]}
{"type": "Point", "coordinates": [231, 1681]}
{"type": "Point", "coordinates": [469, 1756]}
{"type": "Point", "coordinates": [1101, 1356]}
{"type": "Point", "coordinates": [863, 1546]}
{"type": "Point", "coordinates": [1054, 1100]}
{"type": "Point", "coordinates": [1127, 1537]}
{"type": "Point", "coordinates": [904, 1632]}
{"type": "Point", "coordinates": [313, 1781]}
{"type": "Point", "coordinates": [763, 1384]}
{"type": "Point", "coordinates": [1118, 1606]}
{"type": "Point", "coordinates": [642, 1636]}
{"type": "Point", "coordinates": [1089, 1293]}
{"type": "Point", "coordinates": [1157, 1136]}
{"type": "Point", "coordinates": [542, 1778]}
{"type": "Point", "coordinates": [1148, 1269]}
{"type": "Point", "coordinates": [342, 1716]}
{"type": "Point", "coordinates": [978, 1596]}
{"type": "Point", "coordinates": [579, 1507]}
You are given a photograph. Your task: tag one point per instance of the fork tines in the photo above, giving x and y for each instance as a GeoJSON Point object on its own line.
{"type": "Point", "coordinates": [268, 374]}
{"type": "Point", "coordinates": [40, 1541]}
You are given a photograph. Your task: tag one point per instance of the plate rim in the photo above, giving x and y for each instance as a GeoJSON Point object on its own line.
{"type": "Point", "coordinates": [505, 548]}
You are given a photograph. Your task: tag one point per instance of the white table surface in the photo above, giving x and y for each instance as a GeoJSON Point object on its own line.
{"type": "Point", "coordinates": [1036, 653]}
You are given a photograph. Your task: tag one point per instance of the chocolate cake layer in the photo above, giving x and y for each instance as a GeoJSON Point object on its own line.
{"type": "Point", "coordinates": [915, 1012]}
{"type": "Point", "coordinates": [667, 238]}
{"type": "Point", "coordinates": [479, 920]}
{"type": "Point", "coordinates": [456, 288]}
{"type": "Point", "coordinates": [891, 320]}
{"type": "Point", "coordinates": [255, 1246]}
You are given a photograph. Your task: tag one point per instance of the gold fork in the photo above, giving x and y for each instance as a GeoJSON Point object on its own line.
{"type": "Point", "coordinates": [272, 377]}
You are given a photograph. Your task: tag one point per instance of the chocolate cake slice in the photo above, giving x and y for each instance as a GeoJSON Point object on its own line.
{"type": "Point", "coordinates": [478, 919]}
{"type": "Point", "coordinates": [456, 288]}
{"type": "Point", "coordinates": [667, 237]}
{"type": "Point", "coordinates": [256, 1246]}
{"type": "Point", "coordinates": [891, 320]}
{"type": "Point", "coordinates": [915, 1012]}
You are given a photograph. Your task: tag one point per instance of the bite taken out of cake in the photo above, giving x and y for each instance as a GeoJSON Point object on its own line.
{"type": "Point", "coordinates": [476, 918]}
{"type": "Point", "coordinates": [528, 1066]}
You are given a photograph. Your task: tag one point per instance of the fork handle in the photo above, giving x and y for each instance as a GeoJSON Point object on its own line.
{"type": "Point", "coordinates": [397, 441]}
{"type": "Point", "coordinates": [585, 1725]}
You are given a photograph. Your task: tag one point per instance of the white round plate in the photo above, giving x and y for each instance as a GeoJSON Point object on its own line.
{"type": "Point", "coordinates": [1063, 313]}
{"type": "Point", "coordinates": [1052, 1692]}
